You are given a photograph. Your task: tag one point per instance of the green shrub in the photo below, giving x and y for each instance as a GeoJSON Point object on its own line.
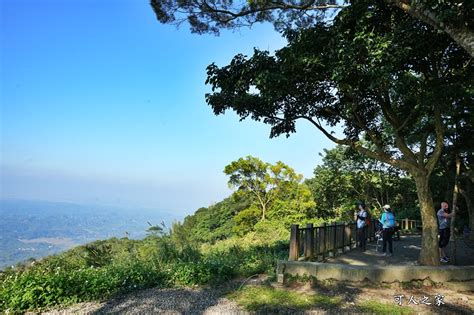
{"type": "Point", "coordinates": [37, 288]}
{"type": "Point", "coordinates": [101, 269]}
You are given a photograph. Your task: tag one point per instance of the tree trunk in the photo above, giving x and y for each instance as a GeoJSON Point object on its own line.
{"type": "Point", "coordinates": [429, 254]}
{"type": "Point", "coordinates": [466, 193]}
{"type": "Point", "coordinates": [463, 36]}
{"type": "Point", "coordinates": [455, 205]}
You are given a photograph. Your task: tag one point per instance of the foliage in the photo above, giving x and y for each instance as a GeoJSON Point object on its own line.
{"type": "Point", "coordinates": [124, 265]}
{"type": "Point", "coordinates": [382, 90]}
{"type": "Point", "coordinates": [205, 17]}
{"type": "Point", "coordinates": [263, 183]}
{"type": "Point", "coordinates": [210, 224]}
{"type": "Point", "coordinates": [452, 16]}
{"type": "Point", "coordinates": [368, 72]}
{"type": "Point", "coordinates": [457, 12]}
{"type": "Point", "coordinates": [246, 220]}
{"type": "Point", "coordinates": [346, 177]}
{"type": "Point", "coordinates": [156, 230]}
{"type": "Point", "coordinates": [275, 190]}
{"type": "Point", "coordinates": [44, 285]}
{"type": "Point", "coordinates": [265, 192]}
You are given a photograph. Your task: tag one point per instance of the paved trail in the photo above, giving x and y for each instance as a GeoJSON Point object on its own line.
{"type": "Point", "coordinates": [405, 252]}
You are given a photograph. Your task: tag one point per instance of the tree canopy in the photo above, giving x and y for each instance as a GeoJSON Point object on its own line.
{"type": "Point", "coordinates": [390, 81]}
{"type": "Point", "coordinates": [347, 177]}
{"type": "Point", "coordinates": [453, 17]}
{"type": "Point", "coordinates": [375, 81]}
{"type": "Point", "coordinates": [262, 181]}
{"type": "Point", "coordinates": [393, 83]}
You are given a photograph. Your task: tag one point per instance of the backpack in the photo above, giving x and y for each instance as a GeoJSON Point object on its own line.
{"type": "Point", "coordinates": [367, 218]}
{"type": "Point", "coordinates": [390, 217]}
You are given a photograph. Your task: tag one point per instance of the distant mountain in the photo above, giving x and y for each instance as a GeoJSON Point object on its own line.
{"type": "Point", "coordinates": [34, 229]}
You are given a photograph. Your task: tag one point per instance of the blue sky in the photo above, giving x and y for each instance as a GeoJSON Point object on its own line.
{"type": "Point", "coordinates": [102, 104]}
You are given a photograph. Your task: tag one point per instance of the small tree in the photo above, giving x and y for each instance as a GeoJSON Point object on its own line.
{"type": "Point", "coordinates": [156, 230]}
{"type": "Point", "coordinates": [262, 181]}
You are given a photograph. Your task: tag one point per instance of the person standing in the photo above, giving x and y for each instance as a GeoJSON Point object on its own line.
{"type": "Point", "coordinates": [388, 227]}
{"type": "Point", "coordinates": [362, 226]}
{"type": "Point", "coordinates": [444, 222]}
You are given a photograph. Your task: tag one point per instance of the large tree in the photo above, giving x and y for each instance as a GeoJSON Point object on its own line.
{"type": "Point", "coordinates": [454, 172]}
{"type": "Point", "coordinates": [454, 17]}
{"type": "Point", "coordinates": [389, 80]}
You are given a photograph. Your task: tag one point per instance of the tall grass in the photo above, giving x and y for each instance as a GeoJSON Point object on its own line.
{"type": "Point", "coordinates": [101, 269]}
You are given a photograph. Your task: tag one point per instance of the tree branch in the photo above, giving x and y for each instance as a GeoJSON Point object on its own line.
{"type": "Point", "coordinates": [380, 156]}
{"type": "Point", "coordinates": [461, 35]}
{"type": "Point", "coordinates": [439, 131]}
{"type": "Point", "coordinates": [393, 120]}
{"type": "Point", "coordinates": [423, 145]}
{"type": "Point", "coordinates": [273, 6]}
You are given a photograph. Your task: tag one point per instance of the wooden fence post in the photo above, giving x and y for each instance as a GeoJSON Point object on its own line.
{"type": "Point", "coordinates": [350, 236]}
{"type": "Point", "coordinates": [294, 242]}
{"type": "Point", "coordinates": [323, 240]}
{"type": "Point", "coordinates": [309, 241]}
{"type": "Point", "coordinates": [334, 246]}
{"type": "Point", "coordinates": [343, 237]}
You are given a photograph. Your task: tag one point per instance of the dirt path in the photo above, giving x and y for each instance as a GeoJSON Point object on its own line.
{"type": "Point", "coordinates": [214, 300]}
{"type": "Point", "coordinates": [162, 301]}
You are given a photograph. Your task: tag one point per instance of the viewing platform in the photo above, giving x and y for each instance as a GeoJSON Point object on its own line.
{"type": "Point", "coordinates": [333, 255]}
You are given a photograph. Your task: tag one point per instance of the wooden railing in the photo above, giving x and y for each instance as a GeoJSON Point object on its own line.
{"type": "Point", "coordinates": [412, 225]}
{"type": "Point", "coordinates": [328, 240]}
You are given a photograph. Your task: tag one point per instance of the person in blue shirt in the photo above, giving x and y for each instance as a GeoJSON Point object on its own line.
{"type": "Point", "coordinates": [388, 224]}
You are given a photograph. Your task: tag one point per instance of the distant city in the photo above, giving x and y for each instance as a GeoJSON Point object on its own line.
{"type": "Point", "coordinates": [35, 229]}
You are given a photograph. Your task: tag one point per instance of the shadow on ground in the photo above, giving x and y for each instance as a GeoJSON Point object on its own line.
{"type": "Point", "coordinates": [171, 301]}
{"type": "Point", "coordinates": [405, 252]}
{"type": "Point", "coordinates": [345, 290]}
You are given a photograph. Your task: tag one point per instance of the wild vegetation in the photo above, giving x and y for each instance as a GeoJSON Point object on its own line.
{"type": "Point", "coordinates": [243, 235]}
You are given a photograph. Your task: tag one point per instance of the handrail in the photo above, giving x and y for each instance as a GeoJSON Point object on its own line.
{"type": "Point", "coordinates": [327, 240]}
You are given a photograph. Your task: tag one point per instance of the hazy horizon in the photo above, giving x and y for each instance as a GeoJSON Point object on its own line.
{"type": "Point", "coordinates": [102, 104]}
{"type": "Point", "coordinates": [35, 229]}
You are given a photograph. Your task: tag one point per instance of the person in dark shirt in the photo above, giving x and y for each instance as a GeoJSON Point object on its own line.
{"type": "Point", "coordinates": [444, 223]}
{"type": "Point", "coordinates": [362, 226]}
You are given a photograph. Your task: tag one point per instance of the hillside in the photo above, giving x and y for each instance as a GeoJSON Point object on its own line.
{"type": "Point", "coordinates": [239, 237]}
{"type": "Point", "coordinates": [35, 229]}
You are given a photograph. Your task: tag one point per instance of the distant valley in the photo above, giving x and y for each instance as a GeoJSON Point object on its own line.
{"type": "Point", "coordinates": [34, 229]}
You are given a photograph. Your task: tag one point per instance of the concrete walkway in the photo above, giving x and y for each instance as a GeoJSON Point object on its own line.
{"type": "Point", "coordinates": [356, 265]}
{"type": "Point", "coordinates": [405, 252]}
